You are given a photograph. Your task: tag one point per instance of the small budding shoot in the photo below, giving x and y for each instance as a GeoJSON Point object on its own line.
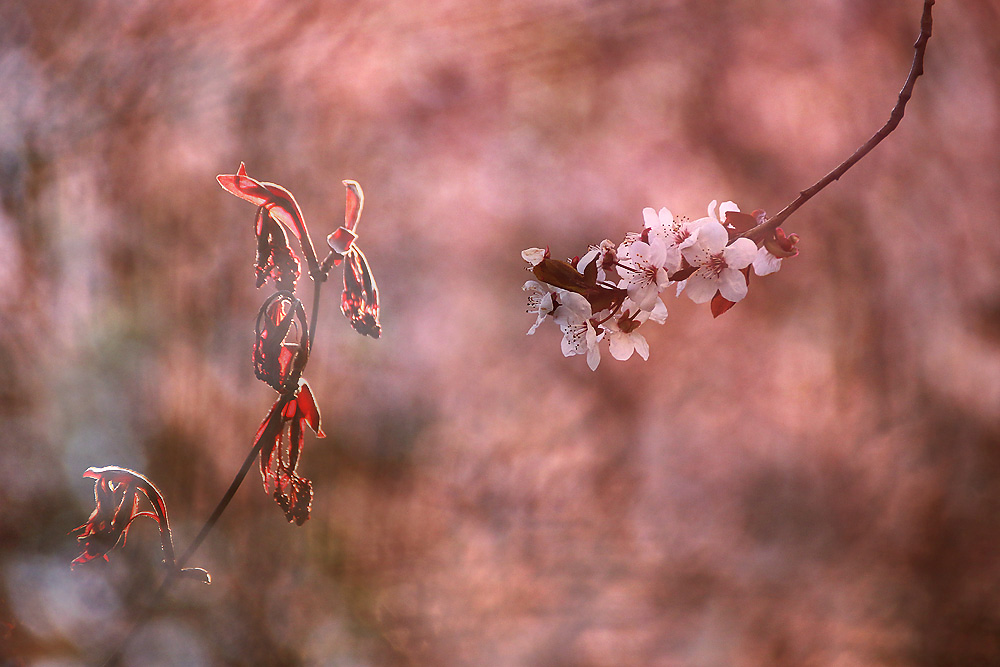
{"type": "Point", "coordinates": [610, 292]}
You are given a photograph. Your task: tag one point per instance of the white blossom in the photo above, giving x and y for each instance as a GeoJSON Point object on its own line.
{"type": "Point", "coordinates": [645, 276]}
{"type": "Point", "coordinates": [539, 301]}
{"type": "Point", "coordinates": [579, 335]}
{"type": "Point", "coordinates": [718, 265]}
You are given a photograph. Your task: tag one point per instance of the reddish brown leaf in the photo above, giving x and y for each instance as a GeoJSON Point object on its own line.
{"type": "Point", "coordinates": [720, 304]}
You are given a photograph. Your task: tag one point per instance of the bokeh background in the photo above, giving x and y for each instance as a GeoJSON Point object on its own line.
{"type": "Point", "coordinates": [811, 479]}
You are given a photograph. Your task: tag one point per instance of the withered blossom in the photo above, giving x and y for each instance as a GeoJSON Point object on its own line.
{"type": "Point", "coordinates": [279, 457]}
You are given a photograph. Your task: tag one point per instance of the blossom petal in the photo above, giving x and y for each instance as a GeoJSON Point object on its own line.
{"type": "Point", "coordinates": [659, 312]}
{"type": "Point", "coordinates": [594, 357]}
{"type": "Point", "coordinates": [712, 236]}
{"type": "Point", "coordinates": [740, 253]}
{"type": "Point", "coordinates": [573, 308]}
{"type": "Point", "coordinates": [533, 256]}
{"type": "Point", "coordinates": [587, 259]}
{"type": "Point", "coordinates": [666, 217]}
{"type": "Point", "coordinates": [765, 263]}
{"type": "Point", "coordinates": [657, 251]}
{"type": "Point", "coordinates": [726, 207]}
{"type": "Point", "coordinates": [701, 288]}
{"type": "Point", "coordinates": [641, 345]}
{"type": "Point", "coordinates": [649, 217]}
{"type": "Point", "coordinates": [621, 345]}
{"type": "Point", "coordinates": [732, 285]}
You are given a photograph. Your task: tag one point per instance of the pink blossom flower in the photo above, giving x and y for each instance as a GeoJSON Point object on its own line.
{"type": "Point", "coordinates": [718, 265]}
{"type": "Point", "coordinates": [642, 272]}
{"type": "Point", "coordinates": [673, 232]}
{"type": "Point", "coordinates": [624, 337]}
{"type": "Point", "coordinates": [539, 302]}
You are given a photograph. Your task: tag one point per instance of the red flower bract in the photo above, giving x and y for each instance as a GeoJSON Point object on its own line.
{"type": "Point", "coordinates": [277, 463]}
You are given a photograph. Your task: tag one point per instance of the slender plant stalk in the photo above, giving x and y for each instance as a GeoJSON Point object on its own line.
{"type": "Point", "coordinates": [916, 69]}
{"type": "Point", "coordinates": [317, 284]}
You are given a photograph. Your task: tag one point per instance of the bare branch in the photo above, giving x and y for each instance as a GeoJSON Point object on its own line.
{"type": "Point", "coordinates": [916, 69]}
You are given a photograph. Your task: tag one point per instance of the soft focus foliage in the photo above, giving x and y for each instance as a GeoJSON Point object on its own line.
{"type": "Point", "coordinates": [813, 478]}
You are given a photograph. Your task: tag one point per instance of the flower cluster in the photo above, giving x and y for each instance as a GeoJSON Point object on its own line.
{"type": "Point", "coordinates": [610, 292]}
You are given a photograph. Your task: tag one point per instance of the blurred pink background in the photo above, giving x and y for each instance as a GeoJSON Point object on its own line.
{"type": "Point", "coordinates": [811, 479]}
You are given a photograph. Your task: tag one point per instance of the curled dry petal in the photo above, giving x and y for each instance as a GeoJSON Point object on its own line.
{"type": "Point", "coordinates": [359, 301]}
{"type": "Point", "coordinates": [534, 256]}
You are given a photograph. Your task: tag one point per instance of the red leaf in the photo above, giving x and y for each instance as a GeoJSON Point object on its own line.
{"type": "Point", "coordinates": [720, 304]}
{"type": "Point", "coordinates": [275, 258]}
{"type": "Point", "coordinates": [743, 222]}
{"type": "Point", "coordinates": [278, 201]}
{"type": "Point", "coordinates": [277, 360]}
{"type": "Point", "coordinates": [277, 465]}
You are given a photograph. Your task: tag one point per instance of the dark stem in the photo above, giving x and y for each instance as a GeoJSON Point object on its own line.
{"type": "Point", "coordinates": [317, 284]}
{"type": "Point", "coordinates": [916, 69]}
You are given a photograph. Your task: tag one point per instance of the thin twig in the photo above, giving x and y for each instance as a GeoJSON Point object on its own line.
{"type": "Point", "coordinates": [916, 69]}
{"type": "Point", "coordinates": [317, 284]}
